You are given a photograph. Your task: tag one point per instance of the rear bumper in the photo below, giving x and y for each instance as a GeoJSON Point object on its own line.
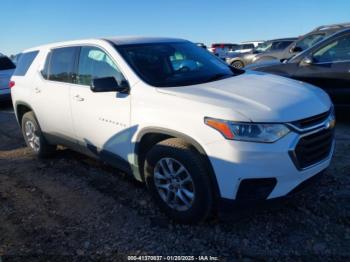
{"type": "Point", "coordinates": [5, 94]}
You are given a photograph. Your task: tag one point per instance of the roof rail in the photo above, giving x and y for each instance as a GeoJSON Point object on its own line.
{"type": "Point", "coordinates": [324, 27]}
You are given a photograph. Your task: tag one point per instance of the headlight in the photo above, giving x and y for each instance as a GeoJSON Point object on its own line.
{"type": "Point", "coordinates": [253, 132]}
{"type": "Point", "coordinates": [331, 119]}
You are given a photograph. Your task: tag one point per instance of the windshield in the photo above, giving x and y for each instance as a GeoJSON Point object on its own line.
{"type": "Point", "coordinates": [174, 64]}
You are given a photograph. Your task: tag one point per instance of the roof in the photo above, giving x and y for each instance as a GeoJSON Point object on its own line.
{"type": "Point", "coordinates": [133, 40]}
{"type": "Point", "coordinates": [283, 39]}
{"type": "Point", "coordinates": [332, 27]}
{"type": "Point", "coordinates": [122, 40]}
{"type": "Point", "coordinates": [251, 42]}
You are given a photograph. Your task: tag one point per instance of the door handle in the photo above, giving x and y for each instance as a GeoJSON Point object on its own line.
{"type": "Point", "coordinates": [37, 90]}
{"type": "Point", "coordinates": [78, 98]}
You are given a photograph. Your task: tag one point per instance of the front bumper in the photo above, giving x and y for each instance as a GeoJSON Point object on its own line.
{"type": "Point", "coordinates": [228, 205]}
{"type": "Point", "coordinates": [236, 161]}
{"type": "Point", "coordinates": [5, 94]}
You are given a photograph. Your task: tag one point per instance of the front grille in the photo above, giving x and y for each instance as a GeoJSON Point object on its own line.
{"type": "Point", "coordinates": [311, 121]}
{"type": "Point", "coordinates": [313, 148]}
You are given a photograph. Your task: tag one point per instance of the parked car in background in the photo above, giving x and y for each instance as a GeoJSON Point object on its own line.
{"type": "Point", "coordinates": [221, 49]}
{"type": "Point", "coordinates": [7, 67]}
{"type": "Point", "coordinates": [198, 138]}
{"type": "Point", "coordinates": [326, 65]}
{"type": "Point", "coordinates": [269, 48]}
{"type": "Point", "coordinates": [246, 47]}
{"type": "Point", "coordinates": [306, 41]}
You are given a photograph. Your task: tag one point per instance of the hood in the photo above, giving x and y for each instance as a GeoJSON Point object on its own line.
{"type": "Point", "coordinates": [258, 96]}
{"type": "Point", "coordinates": [263, 64]}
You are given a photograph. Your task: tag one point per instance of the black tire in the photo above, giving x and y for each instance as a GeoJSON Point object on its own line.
{"type": "Point", "coordinates": [179, 150]}
{"type": "Point", "coordinates": [44, 149]}
{"type": "Point", "coordinates": [237, 64]}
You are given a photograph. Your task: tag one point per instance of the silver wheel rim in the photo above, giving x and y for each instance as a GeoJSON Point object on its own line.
{"type": "Point", "coordinates": [237, 65]}
{"type": "Point", "coordinates": [174, 184]}
{"type": "Point", "coordinates": [32, 138]}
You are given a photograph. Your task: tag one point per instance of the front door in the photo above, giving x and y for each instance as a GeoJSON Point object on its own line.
{"type": "Point", "coordinates": [101, 119]}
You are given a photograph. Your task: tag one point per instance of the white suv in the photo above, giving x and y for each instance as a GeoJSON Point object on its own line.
{"type": "Point", "coordinates": [195, 130]}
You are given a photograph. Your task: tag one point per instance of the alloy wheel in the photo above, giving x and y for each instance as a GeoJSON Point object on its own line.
{"type": "Point", "coordinates": [174, 184]}
{"type": "Point", "coordinates": [32, 138]}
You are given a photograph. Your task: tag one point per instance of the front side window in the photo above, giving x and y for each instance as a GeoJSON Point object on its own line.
{"type": "Point", "coordinates": [60, 64]}
{"type": "Point", "coordinates": [338, 50]}
{"type": "Point", "coordinates": [309, 41]}
{"type": "Point", "coordinates": [174, 64]}
{"type": "Point", "coordinates": [95, 63]}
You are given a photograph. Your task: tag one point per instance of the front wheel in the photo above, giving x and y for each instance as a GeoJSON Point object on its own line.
{"type": "Point", "coordinates": [34, 138]}
{"type": "Point", "coordinates": [178, 180]}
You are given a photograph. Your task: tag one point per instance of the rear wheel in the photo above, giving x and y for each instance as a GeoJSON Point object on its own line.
{"type": "Point", "coordinates": [176, 176]}
{"type": "Point", "coordinates": [33, 136]}
{"type": "Point", "coordinates": [237, 64]}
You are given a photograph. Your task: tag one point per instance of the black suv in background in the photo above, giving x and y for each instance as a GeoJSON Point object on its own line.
{"type": "Point", "coordinates": [7, 67]}
{"type": "Point", "coordinates": [271, 48]}
{"type": "Point", "coordinates": [326, 64]}
{"type": "Point", "coordinates": [304, 42]}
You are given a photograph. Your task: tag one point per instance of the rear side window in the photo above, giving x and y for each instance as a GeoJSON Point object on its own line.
{"type": "Point", "coordinates": [24, 62]}
{"type": "Point", "coordinates": [6, 63]}
{"type": "Point", "coordinates": [60, 64]}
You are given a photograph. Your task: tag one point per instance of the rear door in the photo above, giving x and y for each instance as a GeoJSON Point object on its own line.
{"type": "Point", "coordinates": [330, 69]}
{"type": "Point", "coordinates": [51, 92]}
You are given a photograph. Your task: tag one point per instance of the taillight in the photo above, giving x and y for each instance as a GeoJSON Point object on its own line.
{"type": "Point", "coordinates": [11, 84]}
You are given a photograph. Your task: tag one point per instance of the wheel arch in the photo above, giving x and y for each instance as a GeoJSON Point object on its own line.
{"type": "Point", "coordinates": [20, 109]}
{"type": "Point", "coordinates": [150, 136]}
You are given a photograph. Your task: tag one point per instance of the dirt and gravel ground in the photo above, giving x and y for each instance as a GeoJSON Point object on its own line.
{"type": "Point", "coordinates": [71, 207]}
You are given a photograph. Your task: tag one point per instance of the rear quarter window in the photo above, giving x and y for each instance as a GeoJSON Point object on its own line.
{"type": "Point", "coordinates": [24, 62]}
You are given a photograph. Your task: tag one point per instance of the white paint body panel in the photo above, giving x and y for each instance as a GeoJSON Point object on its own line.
{"type": "Point", "coordinates": [112, 121]}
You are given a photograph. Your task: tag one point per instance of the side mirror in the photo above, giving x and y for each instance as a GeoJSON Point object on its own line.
{"type": "Point", "coordinates": [109, 84]}
{"type": "Point", "coordinates": [306, 61]}
{"type": "Point", "coordinates": [296, 49]}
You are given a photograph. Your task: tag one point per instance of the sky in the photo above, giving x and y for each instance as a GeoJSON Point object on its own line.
{"type": "Point", "coordinates": [28, 23]}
